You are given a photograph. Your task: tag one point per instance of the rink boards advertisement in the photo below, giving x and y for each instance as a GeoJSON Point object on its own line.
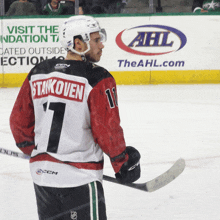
{"type": "Point", "coordinates": [139, 49]}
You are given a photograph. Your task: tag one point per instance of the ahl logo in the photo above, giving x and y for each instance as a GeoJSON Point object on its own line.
{"type": "Point", "coordinates": [150, 40]}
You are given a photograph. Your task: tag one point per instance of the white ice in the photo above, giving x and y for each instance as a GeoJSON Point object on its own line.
{"type": "Point", "coordinates": [164, 122]}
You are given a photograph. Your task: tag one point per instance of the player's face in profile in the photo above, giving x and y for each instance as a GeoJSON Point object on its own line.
{"type": "Point", "coordinates": [96, 46]}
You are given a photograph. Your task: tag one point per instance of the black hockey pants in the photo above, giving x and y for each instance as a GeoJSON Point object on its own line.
{"type": "Point", "coordinates": [78, 203]}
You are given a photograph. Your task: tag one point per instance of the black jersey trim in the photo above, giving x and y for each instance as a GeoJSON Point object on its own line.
{"type": "Point", "coordinates": [93, 73]}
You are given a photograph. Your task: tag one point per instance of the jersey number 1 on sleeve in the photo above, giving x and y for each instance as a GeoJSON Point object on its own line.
{"type": "Point", "coordinates": [112, 102]}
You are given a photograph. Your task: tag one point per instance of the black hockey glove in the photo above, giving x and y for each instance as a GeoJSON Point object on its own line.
{"type": "Point", "coordinates": [130, 170]}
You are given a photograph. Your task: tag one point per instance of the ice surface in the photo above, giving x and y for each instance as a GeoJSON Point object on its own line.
{"type": "Point", "coordinates": [164, 122]}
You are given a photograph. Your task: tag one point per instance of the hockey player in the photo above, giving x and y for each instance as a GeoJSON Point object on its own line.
{"type": "Point", "coordinates": [206, 6]}
{"type": "Point", "coordinates": [65, 116]}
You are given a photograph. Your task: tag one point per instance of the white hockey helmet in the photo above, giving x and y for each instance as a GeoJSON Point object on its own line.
{"type": "Point", "coordinates": [80, 25]}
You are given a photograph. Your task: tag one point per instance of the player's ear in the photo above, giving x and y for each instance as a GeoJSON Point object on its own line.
{"type": "Point", "coordinates": [79, 45]}
{"type": "Point", "coordinates": [76, 43]}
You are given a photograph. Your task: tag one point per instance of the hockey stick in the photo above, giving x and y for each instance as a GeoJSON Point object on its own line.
{"type": "Point", "coordinates": [158, 182]}
{"type": "Point", "coordinates": [149, 186]}
{"type": "Point", "coordinates": [13, 153]}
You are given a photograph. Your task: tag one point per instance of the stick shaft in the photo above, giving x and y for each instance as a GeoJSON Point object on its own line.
{"type": "Point", "coordinates": [148, 186]}
{"type": "Point", "coordinates": [14, 153]}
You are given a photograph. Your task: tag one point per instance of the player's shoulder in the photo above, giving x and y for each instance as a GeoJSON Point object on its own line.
{"type": "Point", "coordinates": [48, 66]}
{"type": "Point", "coordinates": [97, 73]}
{"type": "Point", "coordinates": [44, 64]}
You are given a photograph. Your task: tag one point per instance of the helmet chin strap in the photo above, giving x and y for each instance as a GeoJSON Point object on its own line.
{"type": "Point", "coordinates": [83, 54]}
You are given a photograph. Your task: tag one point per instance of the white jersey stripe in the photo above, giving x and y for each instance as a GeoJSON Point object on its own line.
{"type": "Point", "coordinates": [97, 201]}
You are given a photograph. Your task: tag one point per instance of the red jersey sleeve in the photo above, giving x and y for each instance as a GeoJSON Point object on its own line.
{"type": "Point", "coordinates": [105, 121]}
{"type": "Point", "coordinates": [22, 119]}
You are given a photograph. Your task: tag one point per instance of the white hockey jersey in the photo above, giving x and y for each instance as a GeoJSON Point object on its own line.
{"type": "Point", "coordinates": [65, 117]}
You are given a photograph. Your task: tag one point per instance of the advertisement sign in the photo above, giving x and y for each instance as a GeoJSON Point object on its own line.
{"type": "Point", "coordinates": [24, 46]}
{"type": "Point", "coordinates": [139, 50]}
{"type": "Point", "coordinates": [163, 43]}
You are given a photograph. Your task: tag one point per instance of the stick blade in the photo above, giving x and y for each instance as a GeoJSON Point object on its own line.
{"type": "Point", "coordinates": [156, 183]}
{"type": "Point", "coordinates": [166, 177]}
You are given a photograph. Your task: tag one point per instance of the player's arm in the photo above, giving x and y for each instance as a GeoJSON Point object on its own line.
{"type": "Point", "coordinates": [107, 132]}
{"type": "Point", "coordinates": [22, 119]}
